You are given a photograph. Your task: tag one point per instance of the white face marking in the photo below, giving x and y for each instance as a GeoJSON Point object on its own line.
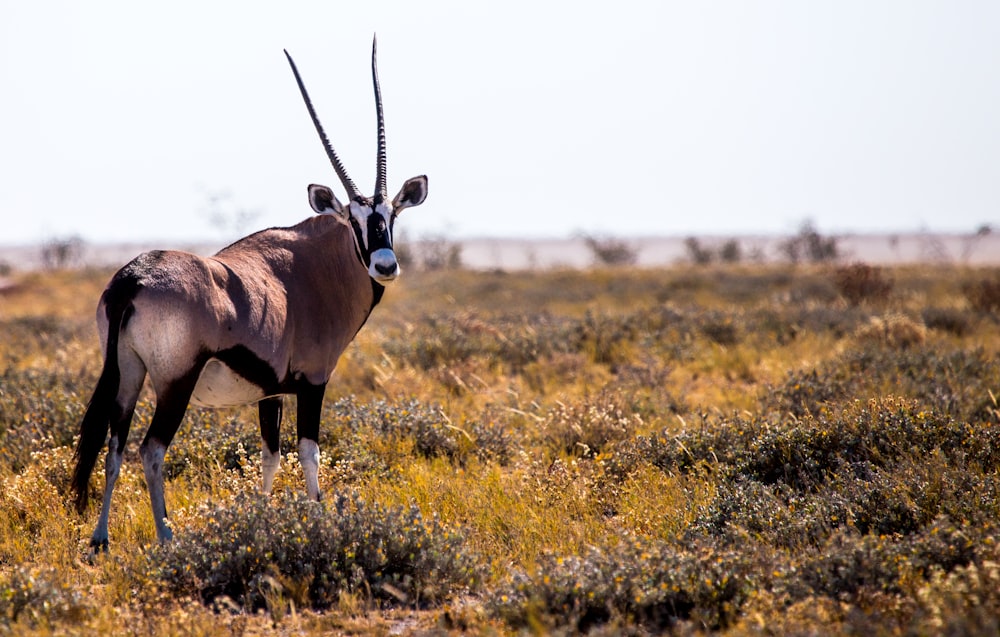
{"type": "Point", "coordinates": [361, 214]}
{"type": "Point", "coordinates": [220, 386]}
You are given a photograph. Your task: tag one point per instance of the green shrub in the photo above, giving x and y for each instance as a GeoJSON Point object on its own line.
{"type": "Point", "coordinates": [954, 383]}
{"type": "Point", "coordinates": [255, 547]}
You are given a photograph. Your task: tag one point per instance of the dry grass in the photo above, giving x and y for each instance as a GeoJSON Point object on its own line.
{"type": "Point", "coordinates": [734, 449]}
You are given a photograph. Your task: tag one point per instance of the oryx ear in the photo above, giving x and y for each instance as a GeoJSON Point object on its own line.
{"type": "Point", "coordinates": [413, 193]}
{"type": "Point", "coordinates": [323, 201]}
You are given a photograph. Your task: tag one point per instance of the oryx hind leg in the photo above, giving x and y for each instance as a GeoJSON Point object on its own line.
{"type": "Point", "coordinates": [310, 406]}
{"type": "Point", "coordinates": [133, 373]}
{"type": "Point", "coordinates": [269, 412]}
{"type": "Point", "coordinates": [171, 403]}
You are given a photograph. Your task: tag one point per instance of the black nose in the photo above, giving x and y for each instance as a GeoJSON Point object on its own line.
{"type": "Point", "coordinates": [385, 269]}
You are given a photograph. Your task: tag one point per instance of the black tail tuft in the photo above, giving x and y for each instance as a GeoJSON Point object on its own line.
{"type": "Point", "coordinates": [94, 430]}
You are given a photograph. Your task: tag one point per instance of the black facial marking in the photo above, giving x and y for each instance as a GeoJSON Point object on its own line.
{"type": "Point", "coordinates": [377, 291]}
{"type": "Point", "coordinates": [359, 243]}
{"type": "Point", "coordinates": [378, 234]}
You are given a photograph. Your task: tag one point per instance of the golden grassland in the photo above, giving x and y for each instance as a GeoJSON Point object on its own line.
{"type": "Point", "coordinates": [743, 449]}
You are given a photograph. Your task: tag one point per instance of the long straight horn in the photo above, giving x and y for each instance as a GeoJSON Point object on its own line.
{"type": "Point", "coordinates": [380, 187]}
{"type": "Point", "coordinates": [352, 189]}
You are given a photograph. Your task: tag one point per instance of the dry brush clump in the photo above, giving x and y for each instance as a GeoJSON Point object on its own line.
{"type": "Point", "coordinates": [260, 551]}
{"type": "Point", "coordinates": [861, 282]}
{"type": "Point", "coordinates": [984, 294]}
{"type": "Point", "coordinates": [652, 585]}
{"type": "Point", "coordinates": [41, 598]}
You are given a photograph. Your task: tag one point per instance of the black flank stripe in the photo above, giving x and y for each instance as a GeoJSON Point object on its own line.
{"type": "Point", "coordinates": [250, 367]}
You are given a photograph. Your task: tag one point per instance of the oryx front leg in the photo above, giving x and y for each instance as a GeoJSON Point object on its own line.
{"type": "Point", "coordinates": [309, 459]}
{"type": "Point", "coordinates": [269, 411]}
{"type": "Point", "coordinates": [310, 399]}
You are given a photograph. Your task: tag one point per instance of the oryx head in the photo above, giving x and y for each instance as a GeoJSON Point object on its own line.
{"type": "Point", "coordinates": [371, 219]}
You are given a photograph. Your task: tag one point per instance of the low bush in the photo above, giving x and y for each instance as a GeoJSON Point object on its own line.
{"type": "Point", "coordinates": [850, 563]}
{"type": "Point", "coordinates": [260, 551]}
{"type": "Point", "coordinates": [946, 319]}
{"type": "Point", "coordinates": [587, 427]}
{"type": "Point", "coordinates": [964, 601]}
{"type": "Point", "coordinates": [809, 392]}
{"type": "Point", "coordinates": [893, 330]}
{"type": "Point", "coordinates": [40, 597]}
{"type": "Point", "coordinates": [353, 424]}
{"type": "Point", "coordinates": [860, 282]}
{"type": "Point", "coordinates": [984, 294]}
{"type": "Point", "coordinates": [651, 584]}
{"type": "Point", "coordinates": [951, 382]}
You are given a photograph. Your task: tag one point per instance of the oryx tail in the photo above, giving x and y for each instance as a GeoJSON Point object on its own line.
{"type": "Point", "coordinates": [103, 404]}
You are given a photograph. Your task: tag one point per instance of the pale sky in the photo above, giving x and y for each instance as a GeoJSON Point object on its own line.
{"type": "Point", "coordinates": [532, 119]}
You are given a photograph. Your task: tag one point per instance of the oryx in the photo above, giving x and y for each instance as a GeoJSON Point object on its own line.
{"type": "Point", "coordinates": [268, 315]}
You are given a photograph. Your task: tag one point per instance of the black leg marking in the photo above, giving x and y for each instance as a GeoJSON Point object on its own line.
{"type": "Point", "coordinates": [310, 399]}
{"type": "Point", "coordinates": [170, 408]}
{"type": "Point", "coordinates": [269, 411]}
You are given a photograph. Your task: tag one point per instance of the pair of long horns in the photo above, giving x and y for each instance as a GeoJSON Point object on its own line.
{"type": "Point", "coordinates": [352, 189]}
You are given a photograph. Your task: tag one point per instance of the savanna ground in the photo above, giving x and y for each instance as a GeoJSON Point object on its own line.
{"type": "Point", "coordinates": [750, 450]}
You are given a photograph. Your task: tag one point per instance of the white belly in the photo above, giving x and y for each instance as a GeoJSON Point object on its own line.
{"type": "Point", "coordinates": [220, 386]}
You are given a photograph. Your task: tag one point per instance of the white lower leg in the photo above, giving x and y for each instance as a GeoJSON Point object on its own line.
{"type": "Point", "coordinates": [152, 453]}
{"type": "Point", "coordinates": [309, 459]}
{"type": "Point", "coordinates": [112, 467]}
{"type": "Point", "coordinates": [269, 463]}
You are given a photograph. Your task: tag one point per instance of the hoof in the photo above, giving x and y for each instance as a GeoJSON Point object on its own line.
{"type": "Point", "coordinates": [97, 547]}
